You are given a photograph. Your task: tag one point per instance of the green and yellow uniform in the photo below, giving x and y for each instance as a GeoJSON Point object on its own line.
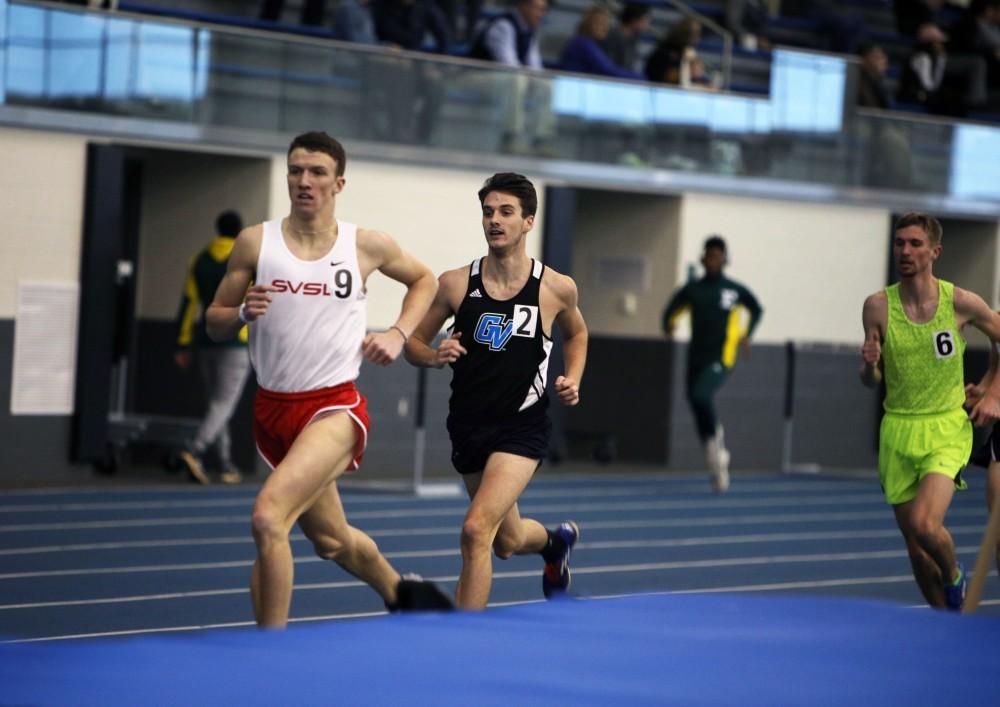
{"type": "Point", "coordinates": [924, 430]}
{"type": "Point", "coordinates": [716, 329]}
{"type": "Point", "coordinates": [205, 272]}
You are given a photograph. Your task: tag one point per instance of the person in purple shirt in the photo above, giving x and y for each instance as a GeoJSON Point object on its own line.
{"type": "Point", "coordinates": [583, 52]}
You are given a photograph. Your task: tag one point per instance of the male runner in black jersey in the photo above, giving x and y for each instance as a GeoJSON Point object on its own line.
{"type": "Point", "coordinates": [715, 334]}
{"type": "Point", "coordinates": [504, 307]}
{"type": "Point", "coordinates": [988, 455]}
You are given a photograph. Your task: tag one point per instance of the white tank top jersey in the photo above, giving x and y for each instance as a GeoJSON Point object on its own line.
{"type": "Point", "coordinates": [311, 335]}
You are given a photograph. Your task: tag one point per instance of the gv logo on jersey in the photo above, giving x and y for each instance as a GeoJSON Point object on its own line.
{"type": "Point", "coordinates": [495, 330]}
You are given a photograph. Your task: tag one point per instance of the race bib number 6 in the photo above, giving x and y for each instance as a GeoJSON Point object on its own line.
{"type": "Point", "coordinates": [944, 344]}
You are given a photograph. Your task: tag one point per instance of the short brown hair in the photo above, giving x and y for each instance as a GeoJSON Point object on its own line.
{"type": "Point", "coordinates": [930, 225]}
{"type": "Point", "coordinates": [318, 141]}
{"type": "Point", "coordinates": [517, 185]}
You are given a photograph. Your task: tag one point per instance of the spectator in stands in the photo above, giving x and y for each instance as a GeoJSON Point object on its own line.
{"type": "Point", "coordinates": [675, 59]}
{"type": "Point", "coordinates": [622, 42]}
{"type": "Point", "coordinates": [747, 20]}
{"type": "Point", "coordinates": [942, 83]}
{"type": "Point", "coordinates": [511, 39]}
{"type": "Point", "coordinates": [412, 89]}
{"type": "Point", "coordinates": [450, 9]}
{"type": "Point", "coordinates": [887, 159]}
{"type": "Point", "coordinates": [977, 32]}
{"type": "Point", "coordinates": [312, 11]}
{"type": "Point", "coordinates": [583, 52]}
{"type": "Point", "coordinates": [872, 89]}
{"type": "Point", "coordinates": [353, 22]}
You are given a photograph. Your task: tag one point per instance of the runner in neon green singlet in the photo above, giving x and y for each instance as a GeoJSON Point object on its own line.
{"type": "Point", "coordinates": [925, 430]}
{"type": "Point", "coordinates": [925, 434]}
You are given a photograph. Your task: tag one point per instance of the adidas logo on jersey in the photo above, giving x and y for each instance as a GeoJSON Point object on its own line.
{"type": "Point", "coordinates": [476, 293]}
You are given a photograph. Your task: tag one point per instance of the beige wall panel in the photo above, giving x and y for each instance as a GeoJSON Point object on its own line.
{"type": "Point", "coordinates": [183, 192]}
{"type": "Point", "coordinates": [811, 265]}
{"type": "Point", "coordinates": [636, 231]}
{"type": "Point", "coordinates": [42, 178]}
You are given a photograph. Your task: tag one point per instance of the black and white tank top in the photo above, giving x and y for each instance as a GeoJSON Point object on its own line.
{"type": "Point", "coordinates": [504, 371]}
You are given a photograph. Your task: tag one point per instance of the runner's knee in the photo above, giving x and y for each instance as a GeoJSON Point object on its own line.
{"type": "Point", "coordinates": [268, 520]}
{"type": "Point", "coordinates": [476, 533]}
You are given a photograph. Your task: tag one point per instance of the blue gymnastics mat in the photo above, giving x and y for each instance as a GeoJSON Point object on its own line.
{"type": "Point", "coordinates": [717, 649]}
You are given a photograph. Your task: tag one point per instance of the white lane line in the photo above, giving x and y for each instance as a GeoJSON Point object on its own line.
{"type": "Point", "coordinates": [711, 503]}
{"type": "Point", "coordinates": [702, 522]}
{"type": "Point", "coordinates": [351, 499]}
{"type": "Point", "coordinates": [601, 569]}
{"type": "Point", "coordinates": [812, 536]}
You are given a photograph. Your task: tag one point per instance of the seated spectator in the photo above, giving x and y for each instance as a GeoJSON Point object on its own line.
{"type": "Point", "coordinates": [944, 84]}
{"type": "Point", "coordinates": [886, 160]}
{"type": "Point", "coordinates": [583, 52]}
{"type": "Point", "coordinates": [977, 32]}
{"type": "Point", "coordinates": [747, 20]}
{"type": "Point", "coordinates": [872, 90]}
{"type": "Point", "coordinates": [675, 59]}
{"type": "Point", "coordinates": [353, 22]}
{"type": "Point", "coordinates": [511, 39]}
{"type": "Point", "coordinates": [622, 43]}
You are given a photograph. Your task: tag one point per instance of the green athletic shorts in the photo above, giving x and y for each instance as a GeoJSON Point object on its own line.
{"type": "Point", "coordinates": [912, 446]}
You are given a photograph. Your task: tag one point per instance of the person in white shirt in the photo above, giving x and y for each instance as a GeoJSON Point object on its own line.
{"type": "Point", "coordinates": [299, 283]}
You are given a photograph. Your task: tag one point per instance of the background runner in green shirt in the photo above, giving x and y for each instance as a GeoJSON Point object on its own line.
{"type": "Point", "coordinates": [913, 341]}
{"type": "Point", "coordinates": [716, 332]}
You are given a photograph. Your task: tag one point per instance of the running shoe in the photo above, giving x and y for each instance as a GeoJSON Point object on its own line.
{"type": "Point", "coordinates": [954, 594]}
{"type": "Point", "coordinates": [556, 575]}
{"type": "Point", "coordinates": [414, 593]}
{"type": "Point", "coordinates": [193, 466]}
{"type": "Point", "coordinates": [720, 474]}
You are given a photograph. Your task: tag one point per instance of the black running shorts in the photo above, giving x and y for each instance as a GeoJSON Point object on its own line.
{"type": "Point", "coordinates": [473, 442]}
{"type": "Point", "coordinates": [989, 451]}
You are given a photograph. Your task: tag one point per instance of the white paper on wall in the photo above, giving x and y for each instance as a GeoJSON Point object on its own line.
{"type": "Point", "coordinates": [44, 348]}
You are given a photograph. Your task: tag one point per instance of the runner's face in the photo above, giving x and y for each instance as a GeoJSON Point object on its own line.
{"type": "Point", "coordinates": [312, 181]}
{"type": "Point", "coordinates": [913, 251]}
{"type": "Point", "coordinates": [713, 260]}
{"type": "Point", "coordinates": [503, 223]}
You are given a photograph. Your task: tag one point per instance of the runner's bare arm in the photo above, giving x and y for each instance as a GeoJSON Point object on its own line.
{"type": "Point", "coordinates": [970, 308]}
{"type": "Point", "coordinates": [378, 251]}
{"type": "Point", "coordinates": [874, 317]}
{"type": "Point", "coordinates": [222, 318]}
{"type": "Point", "coordinates": [574, 331]}
{"type": "Point", "coordinates": [419, 352]}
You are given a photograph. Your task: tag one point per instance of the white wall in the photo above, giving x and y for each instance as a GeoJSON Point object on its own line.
{"type": "Point", "coordinates": [969, 259]}
{"type": "Point", "coordinates": [432, 213]}
{"type": "Point", "coordinates": [42, 178]}
{"type": "Point", "coordinates": [613, 225]}
{"type": "Point", "coordinates": [811, 265]}
{"type": "Point", "coordinates": [182, 194]}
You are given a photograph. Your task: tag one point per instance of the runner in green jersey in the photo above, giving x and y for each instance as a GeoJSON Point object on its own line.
{"type": "Point", "coordinates": [913, 341]}
{"type": "Point", "coordinates": [717, 331]}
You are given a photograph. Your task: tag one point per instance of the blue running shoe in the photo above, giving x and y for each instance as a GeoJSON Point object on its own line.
{"type": "Point", "coordinates": [556, 576]}
{"type": "Point", "coordinates": [954, 594]}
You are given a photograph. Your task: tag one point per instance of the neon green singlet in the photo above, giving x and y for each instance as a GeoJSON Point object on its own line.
{"type": "Point", "coordinates": [923, 362]}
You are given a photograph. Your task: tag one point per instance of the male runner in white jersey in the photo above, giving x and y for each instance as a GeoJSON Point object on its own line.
{"type": "Point", "coordinates": [913, 339]}
{"type": "Point", "coordinates": [306, 315]}
{"type": "Point", "coordinates": [504, 307]}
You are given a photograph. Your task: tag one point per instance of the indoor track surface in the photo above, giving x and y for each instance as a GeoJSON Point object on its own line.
{"type": "Point", "coordinates": [785, 590]}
